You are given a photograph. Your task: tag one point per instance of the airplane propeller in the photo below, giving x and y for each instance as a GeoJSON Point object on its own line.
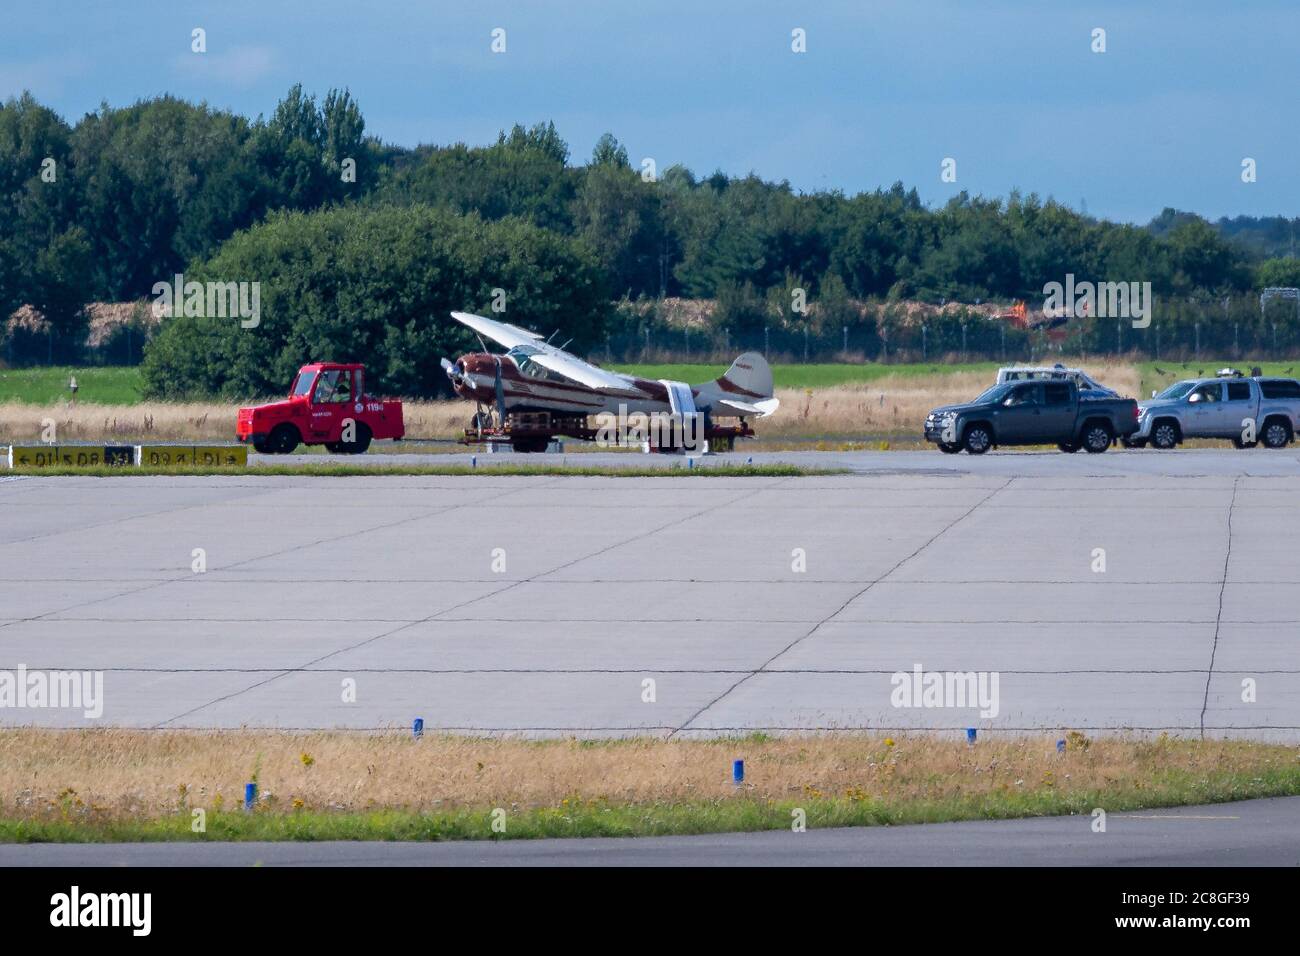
{"type": "Point", "coordinates": [457, 374]}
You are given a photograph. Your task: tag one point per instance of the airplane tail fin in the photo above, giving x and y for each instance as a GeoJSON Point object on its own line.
{"type": "Point", "coordinates": [749, 377]}
{"type": "Point", "coordinates": [744, 389]}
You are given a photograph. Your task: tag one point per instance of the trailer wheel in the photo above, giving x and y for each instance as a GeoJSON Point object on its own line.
{"type": "Point", "coordinates": [529, 445]}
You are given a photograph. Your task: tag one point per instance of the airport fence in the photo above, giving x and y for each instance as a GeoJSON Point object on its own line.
{"type": "Point", "coordinates": [1234, 328]}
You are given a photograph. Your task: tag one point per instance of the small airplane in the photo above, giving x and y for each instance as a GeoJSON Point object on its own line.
{"type": "Point", "coordinates": [538, 391]}
{"type": "Point", "coordinates": [1044, 320]}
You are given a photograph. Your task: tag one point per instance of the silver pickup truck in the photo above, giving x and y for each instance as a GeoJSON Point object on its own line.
{"type": "Point", "coordinates": [1246, 410]}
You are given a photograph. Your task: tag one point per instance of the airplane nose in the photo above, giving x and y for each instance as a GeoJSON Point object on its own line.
{"type": "Point", "coordinates": [463, 379]}
{"type": "Point", "coordinates": [457, 375]}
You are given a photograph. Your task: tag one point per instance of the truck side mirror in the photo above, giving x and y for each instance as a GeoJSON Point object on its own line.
{"type": "Point", "coordinates": [1194, 397]}
{"type": "Point", "coordinates": [1153, 393]}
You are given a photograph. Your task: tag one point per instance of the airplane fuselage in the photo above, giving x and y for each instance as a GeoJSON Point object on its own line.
{"type": "Point", "coordinates": [534, 389]}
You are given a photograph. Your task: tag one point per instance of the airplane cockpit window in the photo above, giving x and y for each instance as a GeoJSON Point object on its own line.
{"type": "Point", "coordinates": [522, 356]}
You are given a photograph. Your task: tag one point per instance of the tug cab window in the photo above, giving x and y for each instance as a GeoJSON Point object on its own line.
{"type": "Point", "coordinates": [302, 385]}
{"type": "Point", "coordinates": [333, 386]}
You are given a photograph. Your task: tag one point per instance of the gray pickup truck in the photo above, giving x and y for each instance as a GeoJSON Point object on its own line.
{"type": "Point", "coordinates": [1246, 410]}
{"type": "Point", "coordinates": [1032, 413]}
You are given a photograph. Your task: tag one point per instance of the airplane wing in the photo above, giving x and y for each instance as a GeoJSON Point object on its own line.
{"type": "Point", "coordinates": [570, 366]}
{"type": "Point", "coordinates": [762, 408]}
{"type": "Point", "coordinates": [502, 333]}
{"type": "Point", "coordinates": [547, 356]}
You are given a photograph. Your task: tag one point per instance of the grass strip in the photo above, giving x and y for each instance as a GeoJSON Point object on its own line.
{"type": "Point", "coordinates": [332, 470]}
{"type": "Point", "coordinates": [127, 785]}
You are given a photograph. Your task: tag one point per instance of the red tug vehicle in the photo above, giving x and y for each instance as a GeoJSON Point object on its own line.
{"type": "Point", "coordinates": [327, 405]}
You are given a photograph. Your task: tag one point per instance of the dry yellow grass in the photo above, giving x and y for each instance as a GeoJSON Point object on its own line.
{"type": "Point", "coordinates": [141, 773]}
{"type": "Point", "coordinates": [152, 421]}
{"type": "Point", "coordinates": [891, 405]}
{"type": "Point", "coordinates": [897, 404]}
{"type": "Point", "coordinates": [184, 421]}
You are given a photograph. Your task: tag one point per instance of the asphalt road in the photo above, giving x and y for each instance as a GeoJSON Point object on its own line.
{"type": "Point", "coordinates": [1179, 463]}
{"type": "Point", "coordinates": [542, 605]}
{"type": "Point", "coordinates": [1250, 833]}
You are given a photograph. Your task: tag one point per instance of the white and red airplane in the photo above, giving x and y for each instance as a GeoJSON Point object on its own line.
{"type": "Point", "coordinates": [539, 391]}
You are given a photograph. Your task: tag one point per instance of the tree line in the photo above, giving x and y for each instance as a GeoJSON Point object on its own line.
{"type": "Point", "coordinates": [127, 197]}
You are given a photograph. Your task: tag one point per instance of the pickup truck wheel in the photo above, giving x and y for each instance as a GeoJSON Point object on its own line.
{"type": "Point", "coordinates": [977, 439]}
{"type": "Point", "coordinates": [282, 440]}
{"type": "Point", "coordinates": [1096, 439]}
{"type": "Point", "coordinates": [1276, 434]}
{"type": "Point", "coordinates": [948, 448]}
{"type": "Point", "coordinates": [1164, 435]}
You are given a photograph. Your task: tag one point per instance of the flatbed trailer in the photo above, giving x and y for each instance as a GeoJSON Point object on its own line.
{"type": "Point", "coordinates": [534, 431]}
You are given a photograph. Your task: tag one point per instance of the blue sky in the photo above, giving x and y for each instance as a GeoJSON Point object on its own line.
{"type": "Point", "coordinates": [886, 91]}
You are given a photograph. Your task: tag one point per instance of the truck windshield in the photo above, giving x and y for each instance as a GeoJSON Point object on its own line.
{"type": "Point", "coordinates": [302, 384]}
{"type": "Point", "coordinates": [1177, 390]}
{"type": "Point", "coordinates": [994, 394]}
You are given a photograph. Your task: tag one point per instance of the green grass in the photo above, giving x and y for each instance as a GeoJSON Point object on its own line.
{"type": "Point", "coordinates": [122, 385]}
{"type": "Point", "coordinates": [809, 376]}
{"type": "Point", "coordinates": [109, 385]}
{"type": "Point", "coordinates": [676, 470]}
{"type": "Point", "coordinates": [602, 818]}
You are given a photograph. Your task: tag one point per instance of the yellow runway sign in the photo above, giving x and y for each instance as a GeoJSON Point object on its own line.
{"type": "Point", "coordinates": [36, 457]}
{"type": "Point", "coordinates": [33, 456]}
{"type": "Point", "coordinates": [221, 456]}
{"type": "Point", "coordinates": [164, 456]}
